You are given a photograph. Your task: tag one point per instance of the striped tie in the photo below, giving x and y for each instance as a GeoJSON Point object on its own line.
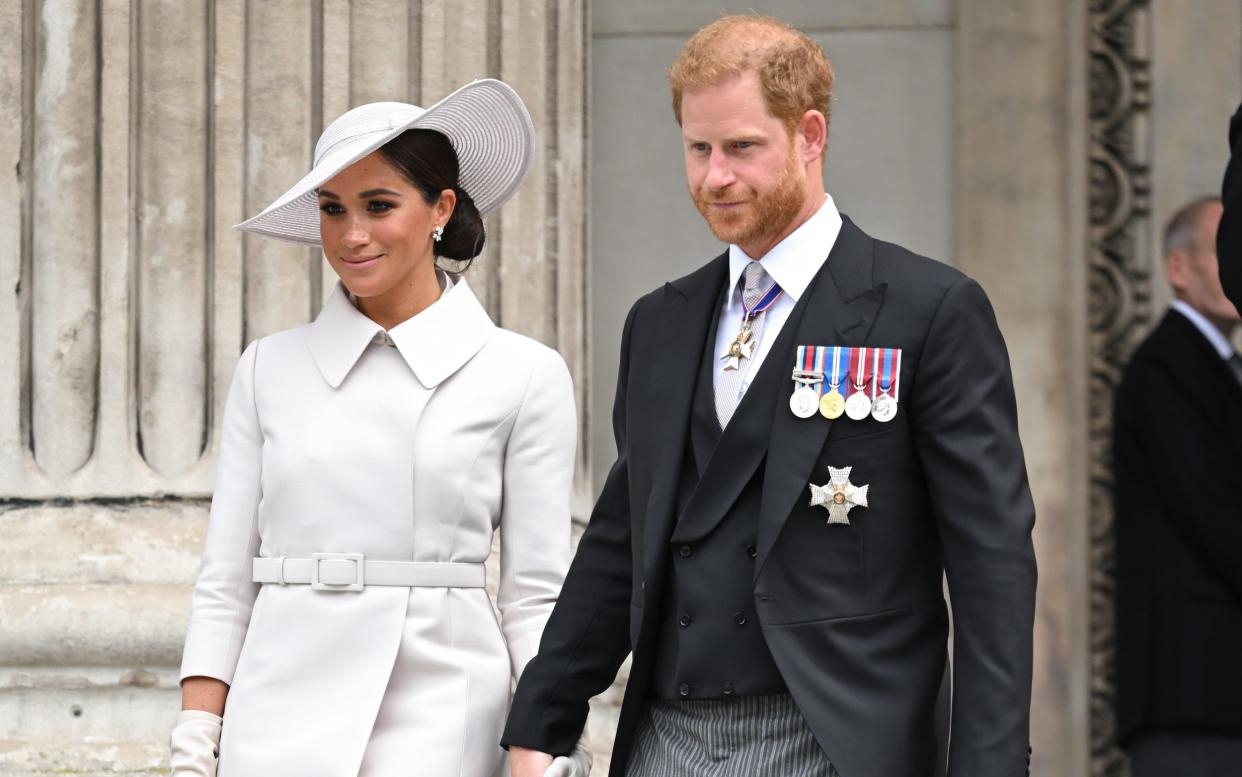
{"type": "Point", "coordinates": [756, 283]}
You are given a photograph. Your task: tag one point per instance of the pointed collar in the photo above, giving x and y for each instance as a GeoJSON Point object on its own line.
{"type": "Point", "coordinates": [435, 343]}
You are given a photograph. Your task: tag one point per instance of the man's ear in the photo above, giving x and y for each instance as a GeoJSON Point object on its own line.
{"type": "Point", "coordinates": [811, 134]}
{"type": "Point", "coordinates": [1176, 270]}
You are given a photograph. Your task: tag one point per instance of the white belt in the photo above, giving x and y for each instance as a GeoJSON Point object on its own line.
{"type": "Point", "coordinates": [350, 572]}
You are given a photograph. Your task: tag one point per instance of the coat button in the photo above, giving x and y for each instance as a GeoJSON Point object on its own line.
{"type": "Point", "coordinates": [739, 618]}
{"type": "Point", "coordinates": [684, 620]}
{"type": "Point", "coordinates": [685, 551]}
{"type": "Point", "coordinates": [750, 551]}
{"type": "Point", "coordinates": [683, 690]}
{"type": "Point", "coordinates": [727, 689]}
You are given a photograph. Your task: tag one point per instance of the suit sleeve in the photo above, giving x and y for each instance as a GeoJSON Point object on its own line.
{"type": "Point", "coordinates": [587, 637]}
{"type": "Point", "coordinates": [1198, 483]}
{"type": "Point", "coordinates": [535, 514]}
{"type": "Point", "coordinates": [224, 594]}
{"type": "Point", "coordinates": [966, 431]}
{"type": "Point", "coordinates": [1229, 233]}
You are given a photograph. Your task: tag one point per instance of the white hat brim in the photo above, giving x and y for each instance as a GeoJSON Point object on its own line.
{"type": "Point", "coordinates": [487, 125]}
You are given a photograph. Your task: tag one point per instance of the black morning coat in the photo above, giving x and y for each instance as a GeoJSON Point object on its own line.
{"type": "Point", "coordinates": [854, 616]}
{"type": "Point", "coordinates": [1177, 448]}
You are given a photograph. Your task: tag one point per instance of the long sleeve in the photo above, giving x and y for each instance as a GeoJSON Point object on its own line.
{"type": "Point", "coordinates": [966, 430]}
{"type": "Point", "coordinates": [224, 594]}
{"type": "Point", "coordinates": [535, 511]}
{"type": "Point", "coordinates": [587, 637]}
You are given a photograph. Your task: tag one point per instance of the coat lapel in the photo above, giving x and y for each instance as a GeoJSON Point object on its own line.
{"type": "Point", "coordinates": [842, 305]}
{"type": "Point", "coordinates": [672, 370]}
{"type": "Point", "coordinates": [744, 441]}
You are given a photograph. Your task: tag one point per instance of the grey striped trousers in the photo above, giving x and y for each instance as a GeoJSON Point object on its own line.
{"type": "Point", "coordinates": [751, 736]}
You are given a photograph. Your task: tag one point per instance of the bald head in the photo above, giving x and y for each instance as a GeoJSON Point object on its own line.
{"type": "Point", "coordinates": [794, 74]}
{"type": "Point", "coordinates": [1190, 264]}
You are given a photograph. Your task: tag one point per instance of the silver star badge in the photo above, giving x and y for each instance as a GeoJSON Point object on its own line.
{"type": "Point", "coordinates": [838, 496]}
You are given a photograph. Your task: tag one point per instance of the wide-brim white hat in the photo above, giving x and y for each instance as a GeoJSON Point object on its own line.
{"type": "Point", "coordinates": [485, 121]}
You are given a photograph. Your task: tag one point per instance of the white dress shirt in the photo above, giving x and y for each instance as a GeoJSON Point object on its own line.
{"type": "Point", "coordinates": [792, 263]}
{"type": "Point", "coordinates": [1209, 330]}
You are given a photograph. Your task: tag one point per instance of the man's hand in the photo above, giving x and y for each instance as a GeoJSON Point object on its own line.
{"type": "Point", "coordinates": [528, 763]}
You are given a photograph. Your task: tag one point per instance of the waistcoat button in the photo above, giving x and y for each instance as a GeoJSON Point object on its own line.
{"type": "Point", "coordinates": [750, 551]}
{"type": "Point", "coordinates": [727, 690]}
{"type": "Point", "coordinates": [739, 619]}
{"type": "Point", "coordinates": [683, 689]}
{"type": "Point", "coordinates": [684, 620]}
{"type": "Point", "coordinates": [685, 551]}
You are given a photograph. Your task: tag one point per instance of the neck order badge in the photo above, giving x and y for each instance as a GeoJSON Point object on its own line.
{"type": "Point", "coordinates": [743, 345]}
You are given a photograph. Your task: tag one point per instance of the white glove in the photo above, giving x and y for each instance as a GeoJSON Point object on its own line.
{"type": "Point", "coordinates": [195, 744]}
{"type": "Point", "coordinates": [576, 764]}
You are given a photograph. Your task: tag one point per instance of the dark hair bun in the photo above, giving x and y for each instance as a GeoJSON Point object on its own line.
{"type": "Point", "coordinates": [463, 234]}
{"type": "Point", "coordinates": [427, 160]}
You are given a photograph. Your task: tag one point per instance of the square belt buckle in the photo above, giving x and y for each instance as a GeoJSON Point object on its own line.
{"type": "Point", "coordinates": [317, 572]}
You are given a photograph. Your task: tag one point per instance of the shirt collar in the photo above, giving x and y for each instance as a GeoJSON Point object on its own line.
{"type": "Point", "coordinates": [1209, 330]}
{"type": "Point", "coordinates": [794, 261]}
{"type": "Point", "coordinates": [435, 343]}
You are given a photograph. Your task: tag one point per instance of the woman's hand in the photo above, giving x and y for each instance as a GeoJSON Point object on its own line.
{"type": "Point", "coordinates": [195, 740]}
{"type": "Point", "coordinates": [194, 744]}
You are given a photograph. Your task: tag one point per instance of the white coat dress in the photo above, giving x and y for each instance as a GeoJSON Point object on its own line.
{"type": "Point", "coordinates": [417, 446]}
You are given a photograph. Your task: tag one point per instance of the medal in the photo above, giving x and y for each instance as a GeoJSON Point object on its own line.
{"type": "Point", "coordinates": [804, 401]}
{"type": "Point", "coordinates": [858, 406]}
{"type": "Point", "coordinates": [838, 496]}
{"type": "Point", "coordinates": [884, 409]}
{"type": "Point", "coordinates": [744, 345]}
{"type": "Point", "coordinates": [808, 374]}
{"type": "Point", "coordinates": [832, 403]}
{"type": "Point", "coordinates": [887, 370]}
{"type": "Point", "coordinates": [741, 348]}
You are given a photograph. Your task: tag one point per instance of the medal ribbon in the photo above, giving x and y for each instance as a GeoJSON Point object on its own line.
{"type": "Point", "coordinates": [836, 378]}
{"type": "Point", "coordinates": [887, 365]}
{"type": "Point", "coordinates": [763, 304]}
{"type": "Point", "coordinates": [859, 373]}
{"type": "Point", "coordinates": [811, 359]}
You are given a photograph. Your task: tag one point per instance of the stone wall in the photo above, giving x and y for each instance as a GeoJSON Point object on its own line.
{"type": "Point", "coordinates": [132, 136]}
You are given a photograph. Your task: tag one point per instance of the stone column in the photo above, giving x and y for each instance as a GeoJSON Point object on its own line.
{"type": "Point", "coordinates": [133, 135]}
{"type": "Point", "coordinates": [1021, 231]}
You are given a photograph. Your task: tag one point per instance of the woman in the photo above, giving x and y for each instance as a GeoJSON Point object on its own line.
{"type": "Point", "coordinates": [366, 460]}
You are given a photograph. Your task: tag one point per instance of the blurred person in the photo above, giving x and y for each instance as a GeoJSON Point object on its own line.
{"type": "Point", "coordinates": [340, 625]}
{"type": "Point", "coordinates": [1229, 235]}
{"type": "Point", "coordinates": [1177, 448]}
{"type": "Point", "coordinates": [812, 430]}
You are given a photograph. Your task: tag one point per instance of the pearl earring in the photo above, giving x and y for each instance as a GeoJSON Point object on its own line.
{"type": "Point", "coordinates": [438, 234]}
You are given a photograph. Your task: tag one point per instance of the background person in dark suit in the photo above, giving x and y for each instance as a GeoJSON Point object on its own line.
{"type": "Point", "coordinates": [1178, 498]}
{"type": "Point", "coordinates": [1229, 236]}
{"type": "Point", "coordinates": [775, 630]}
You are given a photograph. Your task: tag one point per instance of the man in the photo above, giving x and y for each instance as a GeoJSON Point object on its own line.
{"type": "Point", "coordinates": [1229, 236]}
{"type": "Point", "coordinates": [1178, 495]}
{"type": "Point", "coordinates": [778, 575]}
